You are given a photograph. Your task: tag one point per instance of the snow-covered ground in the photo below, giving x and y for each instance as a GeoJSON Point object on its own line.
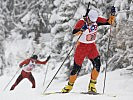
{"type": "Point", "coordinates": [119, 83]}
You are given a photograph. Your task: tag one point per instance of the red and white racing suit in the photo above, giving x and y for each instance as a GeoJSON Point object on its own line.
{"type": "Point", "coordinates": [86, 46]}
{"type": "Point", "coordinates": [28, 66]}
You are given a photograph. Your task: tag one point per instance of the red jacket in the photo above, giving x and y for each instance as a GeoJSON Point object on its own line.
{"type": "Point", "coordinates": [26, 62]}
{"type": "Point", "coordinates": [29, 64]}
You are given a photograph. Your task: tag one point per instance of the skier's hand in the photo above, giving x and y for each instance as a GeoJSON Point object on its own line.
{"type": "Point", "coordinates": [113, 11]}
{"type": "Point", "coordinates": [111, 20]}
{"type": "Point", "coordinates": [84, 27]}
{"type": "Point", "coordinates": [48, 58]}
{"type": "Point", "coordinates": [79, 33]}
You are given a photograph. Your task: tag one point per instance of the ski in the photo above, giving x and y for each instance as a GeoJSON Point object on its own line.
{"type": "Point", "coordinates": [85, 93]}
{"type": "Point", "coordinates": [93, 93]}
{"type": "Point", "coordinates": [90, 93]}
{"type": "Point", "coordinates": [48, 93]}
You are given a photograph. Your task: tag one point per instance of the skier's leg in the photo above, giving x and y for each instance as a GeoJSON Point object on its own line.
{"type": "Point", "coordinates": [95, 59]}
{"type": "Point", "coordinates": [75, 71]}
{"type": "Point", "coordinates": [94, 74]}
{"type": "Point", "coordinates": [80, 53]}
{"type": "Point", "coordinates": [72, 78]}
{"type": "Point", "coordinates": [17, 82]}
{"type": "Point", "coordinates": [96, 68]}
{"type": "Point", "coordinates": [78, 59]}
{"type": "Point", "coordinates": [32, 80]}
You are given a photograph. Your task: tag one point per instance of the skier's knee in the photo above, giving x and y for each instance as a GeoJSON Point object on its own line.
{"type": "Point", "coordinates": [96, 63]}
{"type": "Point", "coordinates": [76, 69]}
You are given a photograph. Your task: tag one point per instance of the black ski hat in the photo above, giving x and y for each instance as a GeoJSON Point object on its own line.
{"type": "Point", "coordinates": [34, 56]}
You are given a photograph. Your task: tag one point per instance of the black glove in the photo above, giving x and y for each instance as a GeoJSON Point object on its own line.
{"type": "Point", "coordinates": [84, 27]}
{"type": "Point", "coordinates": [113, 11]}
{"type": "Point", "coordinates": [48, 58]}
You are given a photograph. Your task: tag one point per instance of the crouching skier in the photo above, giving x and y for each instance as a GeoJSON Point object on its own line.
{"type": "Point", "coordinates": [28, 65]}
{"type": "Point", "coordinates": [86, 47]}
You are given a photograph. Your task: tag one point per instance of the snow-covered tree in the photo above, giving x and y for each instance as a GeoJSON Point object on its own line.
{"type": "Point", "coordinates": [120, 51]}
{"type": "Point", "coordinates": [63, 18]}
{"type": "Point", "coordinates": [2, 37]}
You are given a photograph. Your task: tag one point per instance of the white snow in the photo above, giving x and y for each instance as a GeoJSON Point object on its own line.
{"type": "Point", "coordinates": [118, 84]}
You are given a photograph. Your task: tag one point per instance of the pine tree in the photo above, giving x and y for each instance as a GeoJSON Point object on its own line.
{"type": "Point", "coordinates": [64, 22]}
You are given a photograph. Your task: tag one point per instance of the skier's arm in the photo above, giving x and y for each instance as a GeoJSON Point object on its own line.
{"type": "Point", "coordinates": [109, 21]}
{"type": "Point", "coordinates": [78, 27]}
{"type": "Point", "coordinates": [43, 62]}
{"type": "Point", "coordinates": [104, 21]}
{"type": "Point", "coordinates": [25, 62]}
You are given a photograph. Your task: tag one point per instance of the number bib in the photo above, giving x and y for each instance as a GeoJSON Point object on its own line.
{"type": "Point", "coordinates": [89, 36]}
{"type": "Point", "coordinates": [29, 67]}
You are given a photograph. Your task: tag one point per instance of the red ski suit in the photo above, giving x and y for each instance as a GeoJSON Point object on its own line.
{"type": "Point", "coordinates": [86, 46]}
{"type": "Point", "coordinates": [28, 66]}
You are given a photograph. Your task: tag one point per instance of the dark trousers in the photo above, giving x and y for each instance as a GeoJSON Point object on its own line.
{"type": "Point", "coordinates": [23, 75]}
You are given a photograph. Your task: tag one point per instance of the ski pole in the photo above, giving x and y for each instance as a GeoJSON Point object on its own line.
{"type": "Point", "coordinates": [61, 66]}
{"type": "Point", "coordinates": [45, 74]}
{"type": "Point", "coordinates": [47, 66]}
{"type": "Point", "coordinates": [11, 79]}
{"type": "Point", "coordinates": [109, 40]}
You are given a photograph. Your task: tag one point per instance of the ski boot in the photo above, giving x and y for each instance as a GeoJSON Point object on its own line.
{"type": "Point", "coordinates": [67, 88]}
{"type": "Point", "coordinates": [92, 87]}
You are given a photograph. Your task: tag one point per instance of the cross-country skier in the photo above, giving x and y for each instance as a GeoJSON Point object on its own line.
{"type": "Point", "coordinates": [27, 66]}
{"type": "Point", "coordinates": [86, 47]}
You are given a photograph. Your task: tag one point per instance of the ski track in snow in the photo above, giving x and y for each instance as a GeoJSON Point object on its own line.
{"type": "Point", "coordinates": [116, 85]}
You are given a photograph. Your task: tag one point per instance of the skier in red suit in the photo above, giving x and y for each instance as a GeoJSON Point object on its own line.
{"type": "Point", "coordinates": [27, 66]}
{"type": "Point", "coordinates": [86, 47]}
